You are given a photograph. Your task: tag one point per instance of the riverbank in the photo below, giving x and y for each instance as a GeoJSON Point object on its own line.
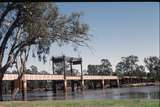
{"type": "Point", "coordinates": [83, 103]}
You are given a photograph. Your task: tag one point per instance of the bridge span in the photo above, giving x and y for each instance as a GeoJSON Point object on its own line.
{"type": "Point", "coordinates": [58, 77]}
{"type": "Point", "coordinates": [21, 83]}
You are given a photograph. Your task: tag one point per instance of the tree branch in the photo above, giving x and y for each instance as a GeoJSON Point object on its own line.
{"type": "Point", "coordinates": [8, 8]}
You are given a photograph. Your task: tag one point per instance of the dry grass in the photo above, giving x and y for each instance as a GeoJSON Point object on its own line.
{"type": "Point", "coordinates": [1, 105]}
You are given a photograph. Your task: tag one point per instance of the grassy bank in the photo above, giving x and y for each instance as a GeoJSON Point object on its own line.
{"type": "Point", "coordinates": [83, 103]}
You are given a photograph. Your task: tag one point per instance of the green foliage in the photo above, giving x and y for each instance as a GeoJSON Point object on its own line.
{"type": "Point", "coordinates": [26, 26]}
{"type": "Point", "coordinates": [38, 25]}
{"type": "Point", "coordinates": [34, 69]}
{"type": "Point", "coordinates": [128, 66]}
{"type": "Point", "coordinates": [152, 63]}
{"type": "Point", "coordinates": [140, 71]}
{"type": "Point", "coordinates": [120, 69]}
{"type": "Point", "coordinates": [105, 68]}
{"type": "Point", "coordinates": [93, 69]}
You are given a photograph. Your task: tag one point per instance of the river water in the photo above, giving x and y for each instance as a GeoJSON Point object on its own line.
{"type": "Point", "coordinates": [146, 92]}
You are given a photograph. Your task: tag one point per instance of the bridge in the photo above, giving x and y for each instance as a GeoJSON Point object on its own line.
{"type": "Point", "coordinates": [22, 82]}
{"type": "Point", "coordinates": [82, 78]}
{"type": "Point", "coordinates": [57, 77]}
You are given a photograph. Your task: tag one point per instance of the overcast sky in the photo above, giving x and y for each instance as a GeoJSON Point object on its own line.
{"type": "Point", "coordinates": [118, 29]}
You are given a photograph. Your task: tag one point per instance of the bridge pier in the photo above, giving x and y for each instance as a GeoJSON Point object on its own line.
{"type": "Point", "coordinates": [94, 84]}
{"type": "Point", "coordinates": [12, 87]}
{"type": "Point", "coordinates": [24, 89]}
{"type": "Point", "coordinates": [72, 85]}
{"type": "Point", "coordinates": [65, 86]}
{"type": "Point", "coordinates": [54, 85]}
{"type": "Point", "coordinates": [77, 85]}
{"type": "Point", "coordinates": [128, 81]}
{"type": "Point", "coordinates": [103, 84]}
{"type": "Point", "coordinates": [118, 84]}
{"type": "Point", "coordinates": [82, 85]}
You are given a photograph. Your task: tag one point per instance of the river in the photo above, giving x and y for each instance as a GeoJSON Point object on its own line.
{"type": "Point", "coordinates": [146, 92]}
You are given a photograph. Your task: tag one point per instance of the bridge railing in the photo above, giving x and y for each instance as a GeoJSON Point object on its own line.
{"type": "Point", "coordinates": [43, 77]}
{"type": "Point", "coordinates": [10, 76]}
{"type": "Point", "coordinates": [61, 77]}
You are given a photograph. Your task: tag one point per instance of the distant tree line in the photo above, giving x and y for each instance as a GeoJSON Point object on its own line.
{"type": "Point", "coordinates": [128, 66]}
{"type": "Point", "coordinates": [105, 68]}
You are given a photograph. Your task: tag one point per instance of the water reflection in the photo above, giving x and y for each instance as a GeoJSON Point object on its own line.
{"type": "Point", "coordinates": [148, 92]}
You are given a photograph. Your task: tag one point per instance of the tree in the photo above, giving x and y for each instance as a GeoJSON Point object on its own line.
{"type": "Point", "coordinates": [20, 61]}
{"type": "Point", "coordinates": [93, 69]}
{"type": "Point", "coordinates": [34, 69]}
{"type": "Point", "coordinates": [43, 72]}
{"type": "Point", "coordinates": [129, 67]}
{"type": "Point", "coordinates": [105, 67]}
{"type": "Point", "coordinates": [152, 63]}
{"type": "Point", "coordinates": [140, 71]}
{"type": "Point", "coordinates": [130, 64]}
{"type": "Point", "coordinates": [120, 69]}
{"type": "Point", "coordinates": [36, 26]}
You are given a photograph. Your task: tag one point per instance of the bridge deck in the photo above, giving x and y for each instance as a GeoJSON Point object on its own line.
{"type": "Point", "coordinates": [61, 77]}
{"type": "Point", "coordinates": [57, 77]}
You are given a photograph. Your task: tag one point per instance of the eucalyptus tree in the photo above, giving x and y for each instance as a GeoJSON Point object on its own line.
{"type": "Point", "coordinates": [35, 26]}
{"type": "Point", "coordinates": [93, 70]}
{"type": "Point", "coordinates": [152, 63]}
{"type": "Point", "coordinates": [105, 67]}
{"type": "Point", "coordinates": [120, 69]}
{"type": "Point", "coordinates": [129, 67]}
{"type": "Point", "coordinates": [130, 63]}
{"type": "Point", "coordinates": [34, 69]}
{"type": "Point", "coordinates": [140, 71]}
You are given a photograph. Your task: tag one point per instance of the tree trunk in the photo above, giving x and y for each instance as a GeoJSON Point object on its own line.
{"type": "Point", "coordinates": [2, 71]}
{"type": "Point", "coordinates": [1, 98]}
{"type": "Point", "coordinates": [1, 86]}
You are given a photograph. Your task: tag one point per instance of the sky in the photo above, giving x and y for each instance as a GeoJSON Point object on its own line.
{"type": "Point", "coordinates": [118, 30]}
